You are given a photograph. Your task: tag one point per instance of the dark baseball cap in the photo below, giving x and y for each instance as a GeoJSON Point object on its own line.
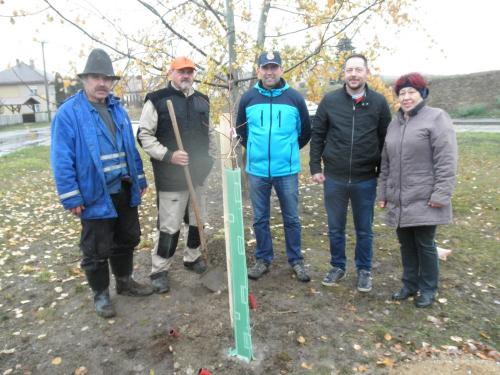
{"type": "Point", "coordinates": [271, 57]}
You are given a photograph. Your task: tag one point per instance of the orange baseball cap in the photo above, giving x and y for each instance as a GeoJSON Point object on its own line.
{"type": "Point", "coordinates": [182, 62]}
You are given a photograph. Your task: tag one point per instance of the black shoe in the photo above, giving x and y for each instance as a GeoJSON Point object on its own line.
{"type": "Point", "coordinates": [159, 282]}
{"type": "Point", "coordinates": [364, 281]}
{"type": "Point", "coordinates": [198, 266]}
{"type": "Point", "coordinates": [103, 306]}
{"type": "Point", "coordinates": [424, 300]}
{"type": "Point", "coordinates": [129, 287]}
{"type": "Point", "coordinates": [403, 294]}
{"type": "Point", "coordinates": [259, 268]}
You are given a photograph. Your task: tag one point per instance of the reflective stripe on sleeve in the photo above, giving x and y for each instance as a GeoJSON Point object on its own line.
{"type": "Point", "coordinates": [112, 156]}
{"type": "Point", "coordinates": [141, 176]}
{"type": "Point", "coordinates": [69, 194]}
{"type": "Point", "coordinates": [113, 167]}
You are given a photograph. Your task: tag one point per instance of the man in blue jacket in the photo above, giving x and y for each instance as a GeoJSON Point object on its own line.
{"type": "Point", "coordinates": [273, 123]}
{"type": "Point", "coordinates": [99, 178]}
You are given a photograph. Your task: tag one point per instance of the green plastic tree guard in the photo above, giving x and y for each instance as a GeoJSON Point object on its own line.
{"type": "Point", "coordinates": [238, 271]}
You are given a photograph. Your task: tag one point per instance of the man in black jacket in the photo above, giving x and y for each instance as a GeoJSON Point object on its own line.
{"type": "Point", "coordinates": [348, 136]}
{"type": "Point", "coordinates": [158, 140]}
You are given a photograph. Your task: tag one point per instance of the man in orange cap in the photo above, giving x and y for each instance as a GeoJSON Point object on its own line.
{"type": "Point", "coordinates": [157, 138]}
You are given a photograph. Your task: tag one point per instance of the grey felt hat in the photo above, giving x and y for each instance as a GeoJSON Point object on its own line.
{"type": "Point", "coordinates": [99, 62]}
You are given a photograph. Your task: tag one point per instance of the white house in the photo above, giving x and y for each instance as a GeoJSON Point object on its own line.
{"type": "Point", "coordinates": [22, 94]}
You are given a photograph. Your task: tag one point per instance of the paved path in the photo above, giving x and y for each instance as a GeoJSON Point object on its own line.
{"type": "Point", "coordinates": [11, 141]}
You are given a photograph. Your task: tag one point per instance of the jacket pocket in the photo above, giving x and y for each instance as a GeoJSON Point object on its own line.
{"type": "Point", "coordinates": [418, 187]}
{"type": "Point", "coordinates": [89, 180]}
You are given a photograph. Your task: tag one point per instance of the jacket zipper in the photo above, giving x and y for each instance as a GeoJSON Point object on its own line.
{"type": "Point", "coordinates": [352, 138]}
{"type": "Point", "coordinates": [279, 119]}
{"type": "Point", "coordinates": [270, 130]}
{"type": "Point", "coordinates": [261, 119]}
{"type": "Point", "coordinates": [401, 169]}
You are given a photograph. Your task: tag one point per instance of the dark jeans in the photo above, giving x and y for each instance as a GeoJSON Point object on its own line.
{"type": "Point", "coordinates": [420, 259]}
{"type": "Point", "coordinates": [113, 239]}
{"type": "Point", "coordinates": [287, 190]}
{"type": "Point", "coordinates": [362, 196]}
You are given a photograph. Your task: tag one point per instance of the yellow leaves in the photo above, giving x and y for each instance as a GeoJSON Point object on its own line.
{"type": "Point", "coordinates": [484, 334]}
{"type": "Point", "coordinates": [385, 362]}
{"type": "Point", "coordinates": [27, 268]}
{"type": "Point", "coordinates": [306, 366]}
{"type": "Point", "coordinates": [301, 340]}
{"type": "Point", "coordinates": [57, 361]}
{"type": "Point", "coordinates": [387, 337]}
{"type": "Point", "coordinates": [81, 371]}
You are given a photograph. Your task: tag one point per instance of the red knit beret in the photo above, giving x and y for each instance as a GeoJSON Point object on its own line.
{"type": "Point", "coordinates": [414, 80]}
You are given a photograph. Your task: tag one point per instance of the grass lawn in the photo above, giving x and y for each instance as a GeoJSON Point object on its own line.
{"type": "Point", "coordinates": [340, 327]}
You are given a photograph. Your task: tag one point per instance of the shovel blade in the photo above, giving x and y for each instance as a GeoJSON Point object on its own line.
{"type": "Point", "coordinates": [214, 279]}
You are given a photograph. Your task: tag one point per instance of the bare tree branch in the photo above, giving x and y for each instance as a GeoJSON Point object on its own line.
{"type": "Point", "coordinates": [24, 14]}
{"type": "Point", "coordinates": [215, 13]}
{"type": "Point", "coordinates": [261, 29]}
{"type": "Point", "coordinates": [324, 40]}
{"type": "Point", "coordinates": [95, 39]}
{"type": "Point", "coordinates": [176, 33]}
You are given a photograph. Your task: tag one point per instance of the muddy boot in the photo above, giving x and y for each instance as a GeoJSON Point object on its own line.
{"type": "Point", "coordinates": [129, 287]}
{"type": "Point", "coordinates": [103, 306]}
{"type": "Point", "coordinates": [198, 266]}
{"type": "Point", "coordinates": [159, 282]}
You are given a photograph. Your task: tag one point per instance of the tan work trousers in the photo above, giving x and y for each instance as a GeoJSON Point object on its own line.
{"type": "Point", "coordinates": [171, 210]}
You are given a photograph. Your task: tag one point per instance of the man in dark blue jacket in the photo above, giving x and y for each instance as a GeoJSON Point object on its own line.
{"type": "Point", "coordinates": [348, 135]}
{"type": "Point", "coordinates": [99, 178]}
{"type": "Point", "coordinates": [273, 123]}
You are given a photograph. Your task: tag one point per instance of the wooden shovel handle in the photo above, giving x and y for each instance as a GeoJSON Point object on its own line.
{"type": "Point", "coordinates": [192, 193]}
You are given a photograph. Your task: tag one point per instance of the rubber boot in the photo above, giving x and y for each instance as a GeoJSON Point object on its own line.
{"type": "Point", "coordinates": [98, 280]}
{"type": "Point", "coordinates": [103, 306]}
{"type": "Point", "coordinates": [129, 287]}
{"type": "Point", "coordinates": [122, 267]}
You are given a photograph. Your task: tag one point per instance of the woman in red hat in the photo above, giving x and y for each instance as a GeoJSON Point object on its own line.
{"type": "Point", "coordinates": [419, 164]}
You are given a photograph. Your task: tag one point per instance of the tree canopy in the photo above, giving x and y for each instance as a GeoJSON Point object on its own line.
{"type": "Point", "coordinates": [224, 37]}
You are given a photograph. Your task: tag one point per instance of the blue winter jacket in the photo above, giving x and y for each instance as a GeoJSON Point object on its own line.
{"type": "Point", "coordinates": [273, 125]}
{"type": "Point", "coordinates": [76, 157]}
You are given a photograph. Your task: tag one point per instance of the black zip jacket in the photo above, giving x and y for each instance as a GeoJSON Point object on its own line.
{"type": "Point", "coordinates": [348, 137]}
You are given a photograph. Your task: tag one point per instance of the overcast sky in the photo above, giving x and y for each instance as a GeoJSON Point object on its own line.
{"type": "Point", "coordinates": [454, 37]}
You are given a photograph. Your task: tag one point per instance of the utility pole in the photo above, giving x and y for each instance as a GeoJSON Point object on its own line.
{"type": "Point", "coordinates": [46, 83]}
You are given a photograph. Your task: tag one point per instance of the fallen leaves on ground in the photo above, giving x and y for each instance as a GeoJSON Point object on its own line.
{"type": "Point", "coordinates": [57, 361]}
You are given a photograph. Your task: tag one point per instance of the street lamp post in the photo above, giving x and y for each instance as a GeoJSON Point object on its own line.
{"type": "Point", "coordinates": [46, 83]}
